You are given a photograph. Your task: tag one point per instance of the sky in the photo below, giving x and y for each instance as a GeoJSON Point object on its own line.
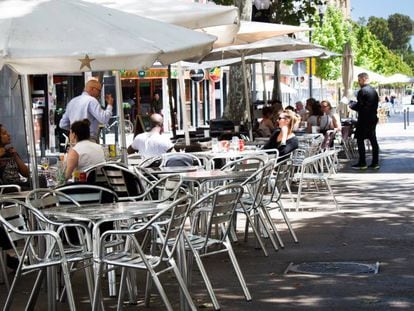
{"type": "Point", "coordinates": [381, 8]}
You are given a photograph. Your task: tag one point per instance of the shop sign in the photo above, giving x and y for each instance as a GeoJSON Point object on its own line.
{"type": "Point", "coordinates": [214, 74]}
{"type": "Point", "coordinates": [197, 75]}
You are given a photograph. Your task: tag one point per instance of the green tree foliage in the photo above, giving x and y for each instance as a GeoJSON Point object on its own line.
{"type": "Point", "coordinates": [379, 27]}
{"type": "Point", "coordinates": [333, 33]}
{"type": "Point", "coordinates": [401, 27]}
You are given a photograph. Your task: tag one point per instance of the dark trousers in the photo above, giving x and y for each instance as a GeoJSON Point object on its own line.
{"type": "Point", "coordinates": [372, 137]}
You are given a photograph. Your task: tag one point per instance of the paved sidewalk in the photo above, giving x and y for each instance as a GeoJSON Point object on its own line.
{"type": "Point", "coordinates": [376, 224]}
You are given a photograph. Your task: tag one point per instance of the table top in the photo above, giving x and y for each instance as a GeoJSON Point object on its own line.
{"type": "Point", "coordinates": [201, 176]}
{"type": "Point", "coordinates": [171, 169]}
{"type": "Point", "coordinates": [230, 153]}
{"type": "Point", "coordinates": [111, 211]}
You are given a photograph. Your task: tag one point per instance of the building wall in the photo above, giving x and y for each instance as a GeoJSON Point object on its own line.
{"type": "Point", "coordinates": [11, 112]}
{"type": "Point", "coordinates": [345, 5]}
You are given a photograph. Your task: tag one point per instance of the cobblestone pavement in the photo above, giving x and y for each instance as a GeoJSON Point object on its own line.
{"type": "Point", "coordinates": [375, 225]}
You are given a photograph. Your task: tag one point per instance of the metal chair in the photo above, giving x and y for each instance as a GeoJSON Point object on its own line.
{"type": "Point", "coordinates": [167, 227]}
{"type": "Point", "coordinates": [123, 181]}
{"type": "Point", "coordinates": [218, 206]}
{"type": "Point", "coordinates": [88, 194]}
{"type": "Point", "coordinates": [317, 171]}
{"type": "Point", "coordinates": [10, 188]}
{"type": "Point", "coordinates": [26, 225]}
{"type": "Point", "coordinates": [281, 174]}
{"type": "Point", "coordinates": [256, 187]}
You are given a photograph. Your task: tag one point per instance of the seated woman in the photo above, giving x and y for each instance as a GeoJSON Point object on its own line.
{"type": "Point", "coordinates": [266, 126]}
{"type": "Point", "coordinates": [315, 116]}
{"type": "Point", "coordinates": [83, 152]}
{"type": "Point", "coordinates": [11, 165]}
{"type": "Point", "coordinates": [283, 137]}
{"type": "Point", "coordinates": [329, 117]}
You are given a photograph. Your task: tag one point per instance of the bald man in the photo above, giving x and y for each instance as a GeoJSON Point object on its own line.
{"type": "Point", "coordinates": [87, 106]}
{"type": "Point", "coordinates": [152, 143]}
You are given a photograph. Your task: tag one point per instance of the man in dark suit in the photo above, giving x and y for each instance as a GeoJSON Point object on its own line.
{"type": "Point", "coordinates": [366, 106]}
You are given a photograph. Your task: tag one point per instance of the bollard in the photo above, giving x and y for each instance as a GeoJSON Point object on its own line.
{"type": "Point", "coordinates": [408, 116]}
{"type": "Point", "coordinates": [405, 119]}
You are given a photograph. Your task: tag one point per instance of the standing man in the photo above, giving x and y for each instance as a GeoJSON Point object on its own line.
{"type": "Point", "coordinates": [156, 105]}
{"type": "Point", "coordinates": [366, 106]}
{"type": "Point", "coordinates": [87, 106]}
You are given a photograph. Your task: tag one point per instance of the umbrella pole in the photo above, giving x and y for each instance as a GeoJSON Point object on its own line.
{"type": "Point", "coordinates": [183, 110]}
{"type": "Point", "coordinates": [121, 117]}
{"type": "Point", "coordinates": [30, 132]}
{"type": "Point", "coordinates": [264, 83]}
{"type": "Point", "coordinates": [246, 96]}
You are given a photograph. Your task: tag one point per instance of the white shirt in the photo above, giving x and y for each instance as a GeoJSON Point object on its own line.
{"type": "Point", "coordinates": [90, 153]}
{"type": "Point", "coordinates": [152, 144]}
{"type": "Point", "coordinates": [85, 107]}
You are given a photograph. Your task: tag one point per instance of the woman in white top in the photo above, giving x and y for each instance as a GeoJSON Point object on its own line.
{"type": "Point", "coordinates": [332, 118]}
{"type": "Point", "coordinates": [84, 152]}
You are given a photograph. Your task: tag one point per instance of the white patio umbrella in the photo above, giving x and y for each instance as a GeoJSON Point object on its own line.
{"type": "Point", "coordinates": [275, 44]}
{"type": "Point", "coordinates": [397, 78]}
{"type": "Point", "coordinates": [49, 36]}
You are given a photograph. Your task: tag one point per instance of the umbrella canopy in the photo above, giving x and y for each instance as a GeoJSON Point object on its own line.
{"type": "Point", "coordinates": [275, 44]}
{"type": "Point", "coordinates": [373, 76]}
{"type": "Point", "coordinates": [178, 12]}
{"type": "Point", "coordinates": [71, 36]}
{"type": "Point", "coordinates": [397, 78]}
{"type": "Point", "coordinates": [267, 57]}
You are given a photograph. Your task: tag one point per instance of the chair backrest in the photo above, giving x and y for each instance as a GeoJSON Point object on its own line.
{"type": "Point", "coordinates": [10, 188]}
{"type": "Point", "coordinates": [248, 164]}
{"type": "Point", "coordinates": [257, 183]}
{"type": "Point", "coordinates": [328, 139]}
{"type": "Point", "coordinates": [94, 175]}
{"type": "Point", "coordinates": [178, 211]}
{"type": "Point", "coordinates": [219, 205]}
{"type": "Point", "coordinates": [281, 173]}
{"type": "Point", "coordinates": [14, 217]}
{"type": "Point", "coordinates": [47, 198]}
{"type": "Point", "coordinates": [167, 188]}
{"type": "Point", "coordinates": [89, 194]}
{"type": "Point", "coordinates": [122, 180]}
{"type": "Point", "coordinates": [179, 159]}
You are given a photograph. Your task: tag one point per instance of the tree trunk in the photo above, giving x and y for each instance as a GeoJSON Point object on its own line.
{"type": "Point", "coordinates": [235, 109]}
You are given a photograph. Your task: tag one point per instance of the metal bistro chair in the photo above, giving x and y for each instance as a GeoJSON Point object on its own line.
{"type": "Point", "coordinates": [317, 171]}
{"type": "Point", "coordinates": [125, 182]}
{"type": "Point", "coordinates": [218, 206]}
{"type": "Point", "coordinates": [26, 226]}
{"type": "Point", "coordinates": [281, 174]}
{"type": "Point", "coordinates": [256, 187]}
{"type": "Point", "coordinates": [167, 227]}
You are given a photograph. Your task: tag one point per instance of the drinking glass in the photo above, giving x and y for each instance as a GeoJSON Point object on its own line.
{"type": "Point", "coordinates": [44, 163]}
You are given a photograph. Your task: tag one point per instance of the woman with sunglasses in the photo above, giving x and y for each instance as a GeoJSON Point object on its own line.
{"type": "Point", "coordinates": [283, 138]}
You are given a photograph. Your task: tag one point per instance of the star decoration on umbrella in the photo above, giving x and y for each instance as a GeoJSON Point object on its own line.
{"type": "Point", "coordinates": [86, 62]}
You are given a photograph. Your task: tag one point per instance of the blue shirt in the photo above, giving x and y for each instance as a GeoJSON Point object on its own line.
{"type": "Point", "coordinates": [85, 107]}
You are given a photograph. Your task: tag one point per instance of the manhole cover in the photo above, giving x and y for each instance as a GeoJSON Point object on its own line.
{"type": "Point", "coordinates": [344, 267]}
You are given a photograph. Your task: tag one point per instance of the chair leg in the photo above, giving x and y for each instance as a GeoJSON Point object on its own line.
{"type": "Point", "coordinates": [299, 194]}
{"type": "Point", "coordinates": [266, 228]}
{"type": "Point", "coordinates": [206, 279]}
{"type": "Point", "coordinates": [256, 233]}
{"type": "Point", "coordinates": [121, 292]}
{"type": "Point", "coordinates": [237, 269]}
{"type": "Point", "coordinates": [10, 296]}
{"type": "Point", "coordinates": [272, 226]}
{"type": "Point", "coordinates": [160, 289]}
{"type": "Point", "coordinates": [69, 292]}
{"type": "Point", "coordinates": [333, 195]}
{"type": "Point", "coordinates": [36, 290]}
{"type": "Point", "coordinates": [287, 221]}
{"type": "Point", "coordinates": [182, 285]}
{"type": "Point", "coordinates": [3, 273]}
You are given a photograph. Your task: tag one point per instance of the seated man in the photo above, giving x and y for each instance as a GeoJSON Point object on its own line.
{"type": "Point", "coordinates": [152, 143]}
